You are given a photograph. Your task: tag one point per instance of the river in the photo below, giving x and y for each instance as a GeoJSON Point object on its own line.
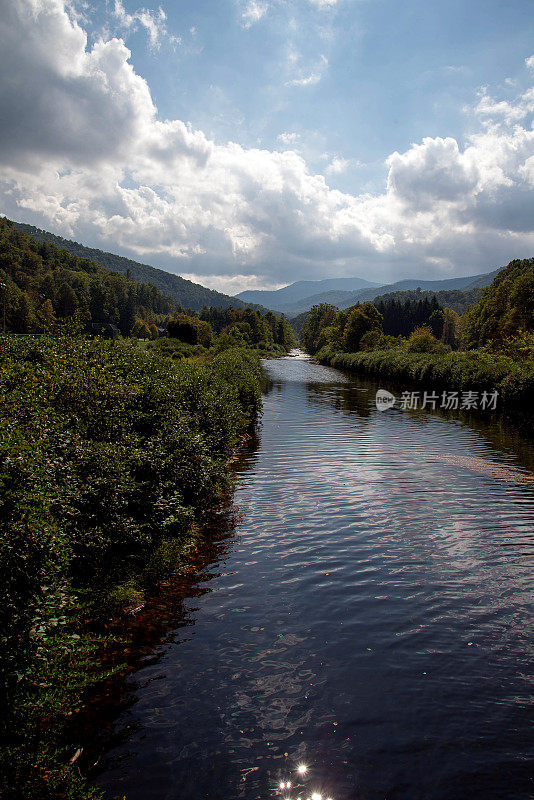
{"type": "Point", "coordinates": [366, 618]}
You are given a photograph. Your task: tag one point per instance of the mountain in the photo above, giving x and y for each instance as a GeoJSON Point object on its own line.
{"type": "Point", "coordinates": [302, 289]}
{"type": "Point", "coordinates": [41, 283]}
{"type": "Point", "coordinates": [457, 299]}
{"type": "Point", "coordinates": [344, 299]}
{"type": "Point", "coordinates": [188, 294]}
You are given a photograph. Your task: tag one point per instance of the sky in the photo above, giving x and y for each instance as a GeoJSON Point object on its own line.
{"type": "Point", "coordinates": [248, 144]}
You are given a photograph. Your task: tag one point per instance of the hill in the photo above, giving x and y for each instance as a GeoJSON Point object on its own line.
{"type": "Point", "coordinates": [303, 289]}
{"type": "Point", "coordinates": [343, 299]}
{"type": "Point", "coordinates": [506, 308]}
{"type": "Point", "coordinates": [41, 283]}
{"type": "Point", "coordinates": [186, 293]}
{"type": "Point", "coordinates": [457, 299]}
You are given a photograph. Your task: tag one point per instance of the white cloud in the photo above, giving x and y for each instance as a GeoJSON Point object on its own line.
{"type": "Point", "coordinates": [153, 22]}
{"type": "Point", "coordinates": [84, 153]}
{"type": "Point", "coordinates": [232, 284]}
{"type": "Point", "coordinates": [310, 78]}
{"type": "Point", "coordinates": [253, 12]}
{"type": "Point", "coordinates": [493, 111]}
{"type": "Point", "coordinates": [337, 166]}
{"type": "Point", "coordinates": [530, 62]}
{"type": "Point", "coordinates": [288, 139]}
{"type": "Point", "coordinates": [324, 3]}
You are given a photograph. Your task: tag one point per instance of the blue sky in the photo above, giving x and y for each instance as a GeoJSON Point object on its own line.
{"type": "Point", "coordinates": [249, 143]}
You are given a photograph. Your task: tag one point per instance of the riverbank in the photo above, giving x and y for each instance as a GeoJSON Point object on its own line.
{"type": "Point", "coordinates": [471, 370]}
{"type": "Point", "coordinates": [111, 458]}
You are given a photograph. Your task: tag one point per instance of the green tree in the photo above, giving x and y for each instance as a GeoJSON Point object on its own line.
{"type": "Point", "coordinates": [141, 330]}
{"type": "Point", "coordinates": [46, 316]}
{"type": "Point", "coordinates": [360, 320]}
{"type": "Point", "coordinates": [24, 317]}
{"type": "Point", "coordinates": [312, 335]}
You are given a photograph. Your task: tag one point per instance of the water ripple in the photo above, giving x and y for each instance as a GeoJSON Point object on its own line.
{"type": "Point", "coordinates": [371, 619]}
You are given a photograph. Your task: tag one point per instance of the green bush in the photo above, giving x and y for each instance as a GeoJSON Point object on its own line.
{"type": "Point", "coordinates": [476, 370]}
{"type": "Point", "coordinates": [108, 455]}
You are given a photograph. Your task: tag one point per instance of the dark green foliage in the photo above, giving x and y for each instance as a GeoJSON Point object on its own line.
{"type": "Point", "coordinates": [506, 307]}
{"type": "Point", "coordinates": [402, 316]}
{"type": "Point", "coordinates": [457, 299]}
{"type": "Point", "coordinates": [186, 293]}
{"type": "Point", "coordinates": [106, 453]}
{"type": "Point", "coordinates": [44, 282]}
{"type": "Point", "coordinates": [190, 330]}
{"type": "Point", "coordinates": [360, 320]}
{"type": "Point", "coordinates": [249, 328]}
{"type": "Point", "coordinates": [312, 334]}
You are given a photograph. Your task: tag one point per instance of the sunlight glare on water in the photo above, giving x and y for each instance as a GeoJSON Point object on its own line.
{"type": "Point", "coordinates": [365, 633]}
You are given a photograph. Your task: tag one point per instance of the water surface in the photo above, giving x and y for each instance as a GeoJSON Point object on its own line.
{"type": "Point", "coordinates": [367, 618]}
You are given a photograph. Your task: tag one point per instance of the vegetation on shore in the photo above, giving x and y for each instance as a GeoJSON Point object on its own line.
{"type": "Point", "coordinates": [490, 347]}
{"type": "Point", "coordinates": [110, 457]}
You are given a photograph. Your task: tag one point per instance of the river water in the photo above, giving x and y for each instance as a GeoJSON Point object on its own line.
{"type": "Point", "coordinates": [367, 617]}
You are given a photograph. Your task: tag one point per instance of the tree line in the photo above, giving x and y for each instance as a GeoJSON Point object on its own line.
{"type": "Point", "coordinates": [502, 320]}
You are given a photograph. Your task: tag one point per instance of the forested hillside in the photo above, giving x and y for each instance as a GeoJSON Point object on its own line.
{"type": "Point", "coordinates": [41, 284]}
{"type": "Point", "coordinates": [186, 293]}
{"type": "Point", "coordinates": [506, 308]}
{"type": "Point", "coordinates": [457, 299]}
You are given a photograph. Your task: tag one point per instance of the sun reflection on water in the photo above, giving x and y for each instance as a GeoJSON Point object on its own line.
{"type": "Point", "coordinates": [305, 793]}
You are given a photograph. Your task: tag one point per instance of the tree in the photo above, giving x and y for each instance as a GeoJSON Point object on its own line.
{"type": "Point", "coordinates": [361, 318]}
{"type": "Point", "coordinates": [312, 335]}
{"type": "Point", "coordinates": [141, 330]}
{"type": "Point", "coordinates": [24, 316]}
{"type": "Point", "coordinates": [421, 340]}
{"type": "Point", "coordinates": [452, 328]}
{"type": "Point", "coordinates": [46, 316]}
{"type": "Point", "coordinates": [190, 330]}
{"type": "Point", "coordinates": [437, 322]}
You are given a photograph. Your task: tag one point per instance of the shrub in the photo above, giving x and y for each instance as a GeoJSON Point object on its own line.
{"type": "Point", "coordinates": [108, 455]}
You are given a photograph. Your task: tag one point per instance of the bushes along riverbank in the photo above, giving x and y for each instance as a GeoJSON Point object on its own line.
{"type": "Point", "coordinates": [470, 370]}
{"type": "Point", "coordinates": [109, 456]}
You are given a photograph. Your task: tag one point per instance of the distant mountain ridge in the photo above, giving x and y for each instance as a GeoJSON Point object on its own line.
{"type": "Point", "coordinates": [345, 299]}
{"type": "Point", "coordinates": [302, 289]}
{"type": "Point", "coordinates": [189, 294]}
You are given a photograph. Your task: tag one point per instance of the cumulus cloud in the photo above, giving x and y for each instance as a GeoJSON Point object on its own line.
{"type": "Point", "coordinates": [84, 152]}
{"type": "Point", "coordinates": [337, 166]}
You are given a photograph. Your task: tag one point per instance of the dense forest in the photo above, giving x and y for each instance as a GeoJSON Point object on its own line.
{"type": "Point", "coordinates": [506, 309]}
{"type": "Point", "coordinates": [42, 286]}
{"type": "Point", "coordinates": [457, 299]}
{"type": "Point", "coordinates": [185, 293]}
{"type": "Point", "coordinates": [401, 317]}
